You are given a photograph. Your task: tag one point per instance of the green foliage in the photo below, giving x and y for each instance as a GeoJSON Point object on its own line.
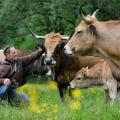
{"type": "Point", "coordinates": [44, 16]}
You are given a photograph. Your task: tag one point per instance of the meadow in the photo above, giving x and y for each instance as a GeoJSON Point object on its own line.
{"type": "Point", "coordinates": [88, 104]}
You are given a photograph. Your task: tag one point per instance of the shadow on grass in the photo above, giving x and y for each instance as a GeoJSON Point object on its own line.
{"type": "Point", "coordinates": [34, 79]}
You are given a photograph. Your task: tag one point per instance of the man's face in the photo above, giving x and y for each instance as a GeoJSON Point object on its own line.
{"type": "Point", "coordinates": [13, 54]}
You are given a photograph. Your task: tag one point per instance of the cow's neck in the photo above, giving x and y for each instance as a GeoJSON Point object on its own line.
{"type": "Point", "coordinates": [109, 57]}
{"type": "Point", "coordinates": [108, 40]}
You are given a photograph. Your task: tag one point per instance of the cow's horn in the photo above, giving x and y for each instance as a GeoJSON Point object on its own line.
{"type": "Point", "coordinates": [81, 11]}
{"type": "Point", "coordinates": [35, 35]}
{"type": "Point", "coordinates": [95, 12]}
{"type": "Point", "coordinates": [65, 37]}
{"type": "Point", "coordinates": [38, 36]}
{"type": "Point", "coordinates": [86, 19]}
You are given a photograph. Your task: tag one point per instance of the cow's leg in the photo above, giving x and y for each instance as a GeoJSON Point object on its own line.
{"type": "Point", "coordinates": [107, 97]}
{"type": "Point", "coordinates": [70, 93]}
{"type": "Point", "coordinates": [112, 87]}
{"type": "Point", "coordinates": [118, 94]}
{"type": "Point", "coordinates": [62, 87]}
{"type": "Point", "coordinates": [62, 91]}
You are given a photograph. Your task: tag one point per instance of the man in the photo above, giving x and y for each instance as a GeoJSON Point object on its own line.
{"type": "Point", "coordinates": [8, 73]}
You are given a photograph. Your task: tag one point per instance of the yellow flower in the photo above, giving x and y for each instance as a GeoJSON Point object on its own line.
{"type": "Point", "coordinates": [45, 105]}
{"type": "Point", "coordinates": [55, 110]}
{"type": "Point", "coordinates": [33, 95]}
{"type": "Point", "coordinates": [76, 93]}
{"type": "Point", "coordinates": [34, 108]}
{"type": "Point", "coordinates": [55, 118]}
{"type": "Point", "coordinates": [48, 119]}
{"type": "Point", "coordinates": [55, 106]}
{"type": "Point", "coordinates": [75, 105]}
{"type": "Point", "coordinates": [53, 85]}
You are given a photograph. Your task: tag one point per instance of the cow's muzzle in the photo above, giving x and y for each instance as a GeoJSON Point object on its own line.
{"type": "Point", "coordinates": [67, 50]}
{"type": "Point", "coordinates": [50, 61]}
{"type": "Point", "coordinates": [72, 85]}
{"type": "Point", "coordinates": [49, 73]}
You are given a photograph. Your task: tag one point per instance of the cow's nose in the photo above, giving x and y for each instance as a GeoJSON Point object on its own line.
{"type": "Point", "coordinates": [48, 62]}
{"type": "Point", "coordinates": [67, 50]}
{"type": "Point", "coordinates": [71, 85]}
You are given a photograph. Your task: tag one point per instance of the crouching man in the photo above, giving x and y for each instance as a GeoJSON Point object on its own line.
{"type": "Point", "coordinates": [9, 73]}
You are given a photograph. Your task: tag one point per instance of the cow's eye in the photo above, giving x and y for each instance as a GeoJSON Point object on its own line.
{"type": "Point", "coordinates": [79, 32]}
{"type": "Point", "coordinates": [78, 78]}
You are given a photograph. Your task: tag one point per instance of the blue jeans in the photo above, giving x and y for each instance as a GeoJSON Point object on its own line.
{"type": "Point", "coordinates": [11, 94]}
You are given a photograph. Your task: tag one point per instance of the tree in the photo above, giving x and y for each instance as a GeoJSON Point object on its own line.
{"type": "Point", "coordinates": [44, 16]}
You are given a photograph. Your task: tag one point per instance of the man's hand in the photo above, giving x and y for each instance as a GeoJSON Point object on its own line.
{"type": "Point", "coordinates": [40, 48]}
{"type": "Point", "coordinates": [7, 81]}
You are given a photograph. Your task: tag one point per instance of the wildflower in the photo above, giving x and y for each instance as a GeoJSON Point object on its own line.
{"type": "Point", "coordinates": [55, 106]}
{"type": "Point", "coordinates": [34, 107]}
{"type": "Point", "coordinates": [75, 105]}
{"type": "Point", "coordinates": [76, 93]}
{"type": "Point", "coordinates": [44, 105]}
{"type": "Point", "coordinates": [55, 110]}
{"type": "Point", "coordinates": [55, 118]}
{"type": "Point", "coordinates": [53, 85]}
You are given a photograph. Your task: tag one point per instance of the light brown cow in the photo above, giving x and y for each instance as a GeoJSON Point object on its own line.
{"type": "Point", "coordinates": [92, 35]}
{"type": "Point", "coordinates": [98, 75]}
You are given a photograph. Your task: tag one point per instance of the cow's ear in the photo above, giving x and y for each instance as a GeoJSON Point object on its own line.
{"type": "Point", "coordinates": [92, 29]}
{"type": "Point", "coordinates": [62, 43]}
{"type": "Point", "coordinates": [87, 71]}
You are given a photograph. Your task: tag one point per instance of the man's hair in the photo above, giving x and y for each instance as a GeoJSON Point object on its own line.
{"type": "Point", "coordinates": [6, 50]}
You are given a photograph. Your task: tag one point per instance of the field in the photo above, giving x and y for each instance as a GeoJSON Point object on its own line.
{"type": "Point", "coordinates": [88, 104]}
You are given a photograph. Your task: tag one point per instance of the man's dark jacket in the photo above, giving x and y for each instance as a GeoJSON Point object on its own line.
{"type": "Point", "coordinates": [14, 69]}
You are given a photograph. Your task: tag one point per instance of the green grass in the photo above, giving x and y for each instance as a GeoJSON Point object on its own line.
{"type": "Point", "coordinates": [46, 105]}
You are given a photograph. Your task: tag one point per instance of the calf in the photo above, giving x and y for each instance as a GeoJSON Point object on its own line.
{"type": "Point", "coordinates": [100, 74]}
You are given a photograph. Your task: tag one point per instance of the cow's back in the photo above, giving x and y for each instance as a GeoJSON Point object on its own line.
{"type": "Point", "coordinates": [70, 65]}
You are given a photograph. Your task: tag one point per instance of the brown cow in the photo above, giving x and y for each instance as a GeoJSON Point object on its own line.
{"type": "Point", "coordinates": [98, 75]}
{"type": "Point", "coordinates": [65, 66]}
{"type": "Point", "coordinates": [92, 34]}
{"type": "Point", "coordinates": [38, 67]}
{"type": "Point", "coordinates": [96, 37]}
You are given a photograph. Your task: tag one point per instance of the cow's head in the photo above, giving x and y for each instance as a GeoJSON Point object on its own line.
{"type": "Point", "coordinates": [81, 80]}
{"type": "Point", "coordinates": [52, 41]}
{"type": "Point", "coordinates": [83, 38]}
{"type": "Point", "coordinates": [39, 66]}
{"type": "Point", "coordinates": [53, 44]}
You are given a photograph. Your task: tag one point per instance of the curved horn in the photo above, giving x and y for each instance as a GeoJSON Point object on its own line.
{"type": "Point", "coordinates": [81, 12]}
{"type": "Point", "coordinates": [95, 12]}
{"type": "Point", "coordinates": [65, 37]}
{"type": "Point", "coordinates": [35, 35]}
{"type": "Point", "coordinates": [86, 19]}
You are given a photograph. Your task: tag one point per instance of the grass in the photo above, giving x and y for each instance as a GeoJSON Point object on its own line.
{"type": "Point", "coordinates": [46, 105]}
